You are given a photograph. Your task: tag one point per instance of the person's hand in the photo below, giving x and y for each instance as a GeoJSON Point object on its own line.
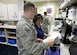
{"type": "Point", "coordinates": [48, 35]}
{"type": "Point", "coordinates": [39, 40]}
{"type": "Point", "coordinates": [50, 42]}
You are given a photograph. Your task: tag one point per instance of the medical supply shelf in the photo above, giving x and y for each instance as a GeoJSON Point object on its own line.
{"type": "Point", "coordinates": [8, 35]}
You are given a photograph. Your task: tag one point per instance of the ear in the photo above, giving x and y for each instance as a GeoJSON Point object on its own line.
{"type": "Point", "coordinates": [32, 9]}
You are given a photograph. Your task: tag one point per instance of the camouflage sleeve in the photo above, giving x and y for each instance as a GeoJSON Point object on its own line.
{"type": "Point", "coordinates": [47, 21]}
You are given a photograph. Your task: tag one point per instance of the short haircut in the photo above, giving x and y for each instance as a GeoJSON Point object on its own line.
{"type": "Point", "coordinates": [36, 17]}
{"type": "Point", "coordinates": [28, 6]}
{"type": "Point", "coordinates": [45, 13]}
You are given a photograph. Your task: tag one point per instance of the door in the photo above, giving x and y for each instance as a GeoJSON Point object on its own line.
{"type": "Point", "coordinates": [3, 12]}
{"type": "Point", "coordinates": [12, 11]}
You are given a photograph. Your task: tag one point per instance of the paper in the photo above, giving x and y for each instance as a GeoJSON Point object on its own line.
{"type": "Point", "coordinates": [53, 36]}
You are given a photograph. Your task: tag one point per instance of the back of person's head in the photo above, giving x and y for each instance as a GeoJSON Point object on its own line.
{"type": "Point", "coordinates": [45, 13]}
{"type": "Point", "coordinates": [28, 6]}
{"type": "Point", "coordinates": [36, 17]}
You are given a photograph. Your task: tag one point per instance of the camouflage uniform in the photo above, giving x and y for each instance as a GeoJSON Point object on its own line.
{"type": "Point", "coordinates": [45, 24]}
{"type": "Point", "coordinates": [27, 39]}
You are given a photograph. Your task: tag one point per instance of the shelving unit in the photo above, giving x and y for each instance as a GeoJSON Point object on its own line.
{"type": "Point", "coordinates": [8, 35]}
{"type": "Point", "coordinates": [67, 3]}
{"type": "Point", "coordinates": [70, 7]}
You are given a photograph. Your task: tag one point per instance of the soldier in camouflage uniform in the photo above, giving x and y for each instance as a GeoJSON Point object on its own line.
{"type": "Point", "coordinates": [26, 34]}
{"type": "Point", "coordinates": [45, 22]}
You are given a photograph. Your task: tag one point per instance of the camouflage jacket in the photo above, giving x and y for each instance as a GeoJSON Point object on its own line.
{"type": "Point", "coordinates": [27, 39]}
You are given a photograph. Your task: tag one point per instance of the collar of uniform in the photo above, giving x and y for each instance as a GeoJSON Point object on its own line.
{"type": "Point", "coordinates": [27, 19]}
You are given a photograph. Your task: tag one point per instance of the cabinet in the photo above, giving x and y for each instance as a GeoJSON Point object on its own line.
{"type": "Point", "coordinates": [12, 11]}
{"type": "Point", "coordinates": [3, 12]}
{"type": "Point", "coordinates": [8, 35]}
{"type": "Point", "coordinates": [9, 12]}
{"type": "Point", "coordinates": [67, 3]}
{"type": "Point", "coordinates": [71, 5]}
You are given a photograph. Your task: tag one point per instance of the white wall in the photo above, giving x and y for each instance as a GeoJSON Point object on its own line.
{"type": "Point", "coordinates": [9, 1]}
{"type": "Point", "coordinates": [20, 8]}
{"type": "Point", "coordinates": [42, 7]}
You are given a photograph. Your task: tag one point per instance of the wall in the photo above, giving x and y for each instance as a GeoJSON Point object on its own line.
{"type": "Point", "coordinates": [9, 1]}
{"type": "Point", "coordinates": [42, 7]}
{"type": "Point", "coordinates": [20, 8]}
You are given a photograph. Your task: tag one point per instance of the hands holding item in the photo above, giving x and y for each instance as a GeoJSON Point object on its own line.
{"type": "Point", "coordinates": [50, 39]}
{"type": "Point", "coordinates": [50, 42]}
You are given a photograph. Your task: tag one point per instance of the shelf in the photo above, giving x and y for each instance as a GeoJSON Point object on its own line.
{"type": "Point", "coordinates": [67, 4]}
{"type": "Point", "coordinates": [11, 32]}
{"type": "Point", "coordinates": [8, 44]}
{"type": "Point", "coordinates": [3, 43]}
{"type": "Point", "coordinates": [9, 20]}
{"type": "Point", "coordinates": [8, 26]}
{"type": "Point", "coordinates": [2, 36]}
{"type": "Point", "coordinates": [72, 1]}
{"type": "Point", "coordinates": [13, 45]}
{"type": "Point", "coordinates": [9, 35]}
{"type": "Point", "coordinates": [13, 37]}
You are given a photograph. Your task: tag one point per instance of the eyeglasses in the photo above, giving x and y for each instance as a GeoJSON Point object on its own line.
{"type": "Point", "coordinates": [39, 20]}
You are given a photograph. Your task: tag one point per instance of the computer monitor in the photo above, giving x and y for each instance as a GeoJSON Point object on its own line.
{"type": "Point", "coordinates": [66, 32]}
